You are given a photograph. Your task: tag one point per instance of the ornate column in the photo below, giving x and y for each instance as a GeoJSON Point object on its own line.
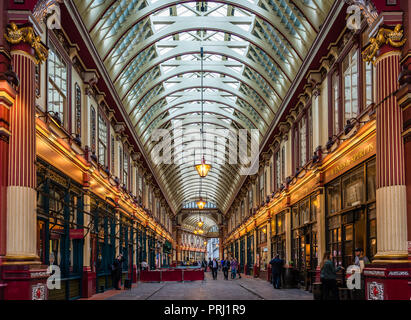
{"type": "Point", "coordinates": [387, 277]}
{"type": "Point", "coordinates": [21, 193]}
{"type": "Point", "coordinates": [391, 190]}
{"type": "Point", "coordinates": [8, 83]}
{"type": "Point", "coordinates": [21, 270]}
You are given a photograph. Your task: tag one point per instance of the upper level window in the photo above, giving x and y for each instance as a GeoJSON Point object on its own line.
{"type": "Point", "coordinates": [112, 153]}
{"type": "Point", "coordinates": [93, 129]}
{"type": "Point", "coordinates": [350, 74]}
{"type": "Point", "coordinates": [242, 210]}
{"type": "Point", "coordinates": [125, 169]}
{"type": "Point", "coordinates": [262, 196]}
{"type": "Point", "coordinates": [283, 163]}
{"type": "Point", "coordinates": [368, 85]}
{"type": "Point", "coordinates": [277, 173]}
{"type": "Point", "coordinates": [77, 122]}
{"type": "Point", "coordinates": [102, 140]}
{"type": "Point", "coordinates": [250, 198]}
{"type": "Point", "coordinates": [57, 84]}
{"type": "Point", "coordinates": [336, 103]}
{"type": "Point", "coordinates": [302, 130]}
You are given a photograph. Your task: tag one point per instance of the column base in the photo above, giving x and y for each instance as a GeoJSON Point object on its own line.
{"type": "Point", "coordinates": [388, 281]}
{"type": "Point", "coordinates": [89, 282]}
{"type": "Point", "coordinates": [23, 281]}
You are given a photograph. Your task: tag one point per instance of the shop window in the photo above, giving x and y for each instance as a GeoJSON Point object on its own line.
{"type": "Point", "coordinates": [305, 212]}
{"type": "Point", "coordinates": [334, 239]}
{"type": "Point", "coordinates": [350, 84]}
{"type": "Point", "coordinates": [353, 188]}
{"type": "Point", "coordinates": [57, 84]}
{"type": "Point", "coordinates": [372, 232]}
{"type": "Point", "coordinates": [333, 197]}
{"type": "Point", "coordinates": [314, 203]}
{"type": "Point", "coordinates": [371, 175]}
{"type": "Point", "coordinates": [295, 217]}
{"type": "Point", "coordinates": [102, 141]}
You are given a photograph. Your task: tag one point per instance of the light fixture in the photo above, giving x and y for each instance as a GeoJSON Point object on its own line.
{"type": "Point", "coordinates": [201, 203]}
{"type": "Point", "coordinates": [200, 223]}
{"type": "Point", "coordinates": [202, 168]}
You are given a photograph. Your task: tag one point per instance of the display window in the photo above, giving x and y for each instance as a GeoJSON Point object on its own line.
{"type": "Point", "coordinates": [351, 217]}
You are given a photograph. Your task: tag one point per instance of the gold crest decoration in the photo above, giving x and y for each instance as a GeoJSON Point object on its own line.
{"type": "Point", "coordinates": [384, 36]}
{"type": "Point", "coordinates": [15, 35]}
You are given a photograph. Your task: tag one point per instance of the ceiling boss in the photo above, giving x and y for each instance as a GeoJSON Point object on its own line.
{"type": "Point", "coordinates": [15, 35]}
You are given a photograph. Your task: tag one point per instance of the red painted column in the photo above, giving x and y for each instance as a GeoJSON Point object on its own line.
{"type": "Point", "coordinates": [388, 276]}
{"type": "Point", "coordinates": [21, 271]}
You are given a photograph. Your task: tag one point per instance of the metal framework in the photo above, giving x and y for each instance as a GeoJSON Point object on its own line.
{"type": "Point", "coordinates": [253, 50]}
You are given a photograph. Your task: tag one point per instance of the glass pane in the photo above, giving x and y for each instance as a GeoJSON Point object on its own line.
{"type": "Point", "coordinates": [333, 197]}
{"type": "Point", "coordinates": [353, 185]}
{"type": "Point", "coordinates": [371, 174]}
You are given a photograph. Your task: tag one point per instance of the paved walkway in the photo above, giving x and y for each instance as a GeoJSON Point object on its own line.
{"type": "Point", "coordinates": [239, 289]}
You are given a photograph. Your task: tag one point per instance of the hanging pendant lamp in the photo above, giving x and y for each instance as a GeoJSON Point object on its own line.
{"type": "Point", "coordinates": [203, 168]}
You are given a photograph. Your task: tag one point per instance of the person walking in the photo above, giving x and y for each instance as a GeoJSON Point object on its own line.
{"type": "Point", "coordinates": [329, 277]}
{"type": "Point", "coordinates": [221, 264]}
{"type": "Point", "coordinates": [234, 266]}
{"type": "Point", "coordinates": [116, 269]}
{"type": "Point", "coordinates": [276, 270]}
{"type": "Point", "coordinates": [225, 268]}
{"type": "Point", "coordinates": [214, 268]}
{"type": "Point", "coordinates": [210, 264]}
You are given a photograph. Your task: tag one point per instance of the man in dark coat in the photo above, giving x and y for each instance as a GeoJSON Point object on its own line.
{"type": "Point", "coordinates": [276, 269]}
{"type": "Point", "coordinates": [116, 269]}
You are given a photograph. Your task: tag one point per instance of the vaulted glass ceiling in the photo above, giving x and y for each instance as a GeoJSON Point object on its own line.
{"type": "Point", "coordinates": [252, 52]}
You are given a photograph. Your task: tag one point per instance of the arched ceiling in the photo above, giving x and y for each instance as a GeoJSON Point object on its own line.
{"type": "Point", "coordinates": [253, 50]}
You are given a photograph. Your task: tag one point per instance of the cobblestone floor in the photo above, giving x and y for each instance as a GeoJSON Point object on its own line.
{"type": "Point", "coordinates": [209, 289]}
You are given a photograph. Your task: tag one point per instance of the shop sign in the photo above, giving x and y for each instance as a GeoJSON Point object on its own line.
{"type": "Point", "coordinates": [375, 291]}
{"type": "Point", "coordinates": [374, 273]}
{"type": "Point", "coordinates": [76, 233]}
{"type": "Point", "coordinates": [351, 159]}
{"type": "Point", "coordinates": [305, 190]}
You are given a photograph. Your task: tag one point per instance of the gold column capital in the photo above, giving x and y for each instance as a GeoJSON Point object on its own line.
{"type": "Point", "coordinates": [15, 35]}
{"type": "Point", "coordinates": [385, 36]}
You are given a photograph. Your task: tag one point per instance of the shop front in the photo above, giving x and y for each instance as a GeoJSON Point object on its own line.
{"type": "Point", "coordinates": [351, 214]}
{"type": "Point", "coordinates": [242, 254]}
{"type": "Point", "coordinates": [60, 228]}
{"type": "Point", "coordinates": [262, 251]}
{"type": "Point", "coordinates": [250, 253]}
{"type": "Point", "coordinates": [278, 235]}
{"type": "Point", "coordinates": [304, 240]}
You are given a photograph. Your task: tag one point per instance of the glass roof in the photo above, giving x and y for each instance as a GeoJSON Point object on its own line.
{"type": "Point", "coordinates": [252, 52]}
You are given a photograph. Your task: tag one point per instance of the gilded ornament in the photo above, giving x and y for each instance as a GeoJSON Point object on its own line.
{"type": "Point", "coordinates": [384, 36]}
{"type": "Point", "coordinates": [15, 35]}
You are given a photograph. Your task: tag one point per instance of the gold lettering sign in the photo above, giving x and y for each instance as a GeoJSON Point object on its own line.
{"type": "Point", "coordinates": [359, 154]}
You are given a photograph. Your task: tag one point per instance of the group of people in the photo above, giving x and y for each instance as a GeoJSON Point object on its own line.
{"type": "Point", "coordinates": [224, 265]}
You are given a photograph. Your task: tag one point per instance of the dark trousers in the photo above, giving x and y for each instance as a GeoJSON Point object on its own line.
{"type": "Point", "coordinates": [225, 271]}
{"type": "Point", "coordinates": [214, 271]}
{"type": "Point", "coordinates": [116, 279]}
{"type": "Point", "coordinates": [329, 289]}
{"type": "Point", "coordinates": [276, 280]}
